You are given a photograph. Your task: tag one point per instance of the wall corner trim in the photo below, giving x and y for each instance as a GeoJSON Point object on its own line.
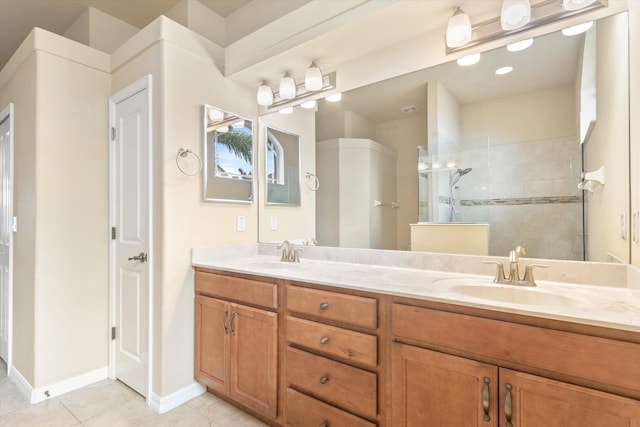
{"type": "Point", "coordinates": [40, 394]}
{"type": "Point", "coordinates": [164, 404]}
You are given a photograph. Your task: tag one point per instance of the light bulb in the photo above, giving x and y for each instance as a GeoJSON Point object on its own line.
{"type": "Point", "coordinates": [265, 94]}
{"type": "Point", "coordinates": [287, 86]}
{"type": "Point", "coordinates": [515, 14]}
{"type": "Point", "coordinates": [308, 104]}
{"type": "Point", "coordinates": [576, 4]}
{"type": "Point", "coordinates": [458, 29]}
{"type": "Point", "coordinates": [286, 110]}
{"type": "Point", "coordinates": [313, 77]}
{"type": "Point", "coordinates": [215, 115]}
{"type": "Point", "coordinates": [518, 46]}
{"type": "Point", "coordinates": [469, 60]}
{"type": "Point", "coordinates": [577, 29]}
{"type": "Point", "coordinates": [335, 97]}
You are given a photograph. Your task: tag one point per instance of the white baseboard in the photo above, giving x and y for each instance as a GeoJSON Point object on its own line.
{"type": "Point", "coordinates": [167, 403]}
{"type": "Point", "coordinates": [56, 389]}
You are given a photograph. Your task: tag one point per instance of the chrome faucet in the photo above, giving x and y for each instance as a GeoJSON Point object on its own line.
{"type": "Point", "coordinates": [514, 276]}
{"type": "Point", "coordinates": [290, 253]}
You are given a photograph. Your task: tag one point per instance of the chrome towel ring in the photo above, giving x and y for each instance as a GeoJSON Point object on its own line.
{"type": "Point", "coordinates": [312, 181]}
{"type": "Point", "coordinates": [184, 152]}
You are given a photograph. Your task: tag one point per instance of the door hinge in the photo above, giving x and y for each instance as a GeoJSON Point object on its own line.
{"type": "Point", "coordinates": [113, 133]}
{"type": "Point", "coordinates": [113, 332]}
{"type": "Point", "coordinates": [113, 233]}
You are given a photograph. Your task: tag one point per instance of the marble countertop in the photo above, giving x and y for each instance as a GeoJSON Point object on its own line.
{"type": "Point", "coordinates": [611, 307]}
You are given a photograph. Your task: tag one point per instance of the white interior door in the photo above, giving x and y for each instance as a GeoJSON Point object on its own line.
{"type": "Point", "coordinates": [130, 134]}
{"type": "Point", "coordinates": [6, 230]}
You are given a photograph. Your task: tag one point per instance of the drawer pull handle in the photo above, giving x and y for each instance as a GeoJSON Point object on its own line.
{"type": "Point", "coordinates": [324, 379]}
{"type": "Point", "coordinates": [323, 424]}
{"type": "Point", "coordinates": [508, 406]}
{"type": "Point", "coordinates": [233, 331]}
{"type": "Point", "coordinates": [485, 398]}
{"type": "Point", "coordinates": [324, 305]}
{"type": "Point", "coordinates": [224, 321]}
{"type": "Point", "coordinates": [324, 340]}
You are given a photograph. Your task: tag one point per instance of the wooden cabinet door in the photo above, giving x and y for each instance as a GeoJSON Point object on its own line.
{"type": "Point", "coordinates": [436, 389]}
{"type": "Point", "coordinates": [536, 401]}
{"type": "Point", "coordinates": [212, 343]}
{"type": "Point", "coordinates": [254, 354]}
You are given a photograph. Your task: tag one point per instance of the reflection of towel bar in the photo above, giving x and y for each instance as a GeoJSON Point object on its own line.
{"type": "Point", "coordinates": [591, 180]}
{"type": "Point", "coordinates": [378, 203]}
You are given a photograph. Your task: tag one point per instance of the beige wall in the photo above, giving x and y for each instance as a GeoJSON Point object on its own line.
{"type": "Point", "coordinates": [61, 199]}
{"type": "Point", "coordinates": [294, 222]}
{"type": "Point", "coordinates": [101, 31]}
{"type": "Point", "coordinates": [608, 143]}
{"type": "Point", "coordinates": [634, 101]}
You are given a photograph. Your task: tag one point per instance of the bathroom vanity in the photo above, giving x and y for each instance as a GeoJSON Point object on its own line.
{"type": "Point", "coordinates": [321, 343]}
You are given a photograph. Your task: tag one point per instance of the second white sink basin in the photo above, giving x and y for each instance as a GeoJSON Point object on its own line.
{"type": "Point", "coordinates": [518, 295]}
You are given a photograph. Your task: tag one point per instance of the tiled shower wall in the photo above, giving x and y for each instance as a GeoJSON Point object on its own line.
{"type": "Point", "coordinates": [528, 193]}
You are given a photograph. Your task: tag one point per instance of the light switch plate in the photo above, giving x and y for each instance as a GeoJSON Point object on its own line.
{"type": "Point", "coordinates": [274, 223]}
{"type": "Point", "coordinates": [241, 223]}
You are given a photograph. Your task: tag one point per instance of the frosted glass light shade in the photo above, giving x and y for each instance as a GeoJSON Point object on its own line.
{"type": "Point", "coordinates": [308, 104]}
{"type": "Point", "coordinates": [313, 77]}
{"type": "Point", "coordinates": [215, 115]}
{"type": "Point", "coordinates": [287, 86]}
{"type": "Point", "coordinates": [577, 29]}
{"type": "Point", "coordinates": [265, 95]}
{"type": "Point", "coordinates": [286, 110]}
{"type": "Point", "coordinates": [458, 29]}
{"type": "Point", "coordinates": [468, 60]}
{"type": "Point", "coordinates": [576, 4]}
{"type": "Point", "coordinates": [238, 125]}
{"type": "Point", "coordinates": [521, 45]}
{"type": "Point", "coordinates": [334, 97]}
{"type": "Point", "coordinates": [515, 14]}
{"type": "Point", "coordinates": [223, 129]}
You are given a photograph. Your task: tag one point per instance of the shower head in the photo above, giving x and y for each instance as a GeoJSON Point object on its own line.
{"type": "Point", "coordinates": [453, 179]}
{"type": "Point", "coordinates": [462, 172]}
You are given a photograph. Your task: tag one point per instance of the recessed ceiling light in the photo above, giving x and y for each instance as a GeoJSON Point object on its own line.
{"type": "Point", "coordinates": [577, 29]}
{"type": "Point", "coordinates": [504, 70]}
{"type": "Point", "coordinates": [521, 45]}
{"type": "Point", "coordinates": [469, 60]}
{"type": "Point", "coordinates": [334, 97]}
{"type": "Point", "coordinates": [286, 110]}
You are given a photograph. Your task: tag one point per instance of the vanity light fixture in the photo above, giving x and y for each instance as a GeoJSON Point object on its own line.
{"type": "Point", "coordinates": [223, 129]}
{"type": "Point", "coordinates": [288, 87]}
{"type": "Point", "coordinates": [577, 29]}
{"type": "Point", "coordinates": [309, 104]}
{"type": "Point", "coordinates": [521, 45]}
{"type": "Point", "coordinates": [238, 125]}
{"type": "Point", "coordinates": [458, 29]}
{"type": "Point", "coordinates": [313, 77]}
{"type": "Point", "coordinates": [504, 70]}
{"type": "Point", "coordinates": [576, 4]}
{"type": "Point", "coordinates": [286, 110]}
{"type": "Point", "coordinates": [465, 61]}
{"type": "Point", "coordinates": [215, 115]}
{"type": "Point", "coordinates": [265, 94]}
{"type": "Point", "coordinates": [515, 14]}
{"type": "Point", "coordinates": [334, 97]}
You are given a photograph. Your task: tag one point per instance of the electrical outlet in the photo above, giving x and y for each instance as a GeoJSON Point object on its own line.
{"type": "Point", "coordinates": [274, 223]}
{"type": "Point", "coordinates": [241, 223]}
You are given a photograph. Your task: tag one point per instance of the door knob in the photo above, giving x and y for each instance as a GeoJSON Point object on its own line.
{"type": "Point", "coordinates": [142, 257]}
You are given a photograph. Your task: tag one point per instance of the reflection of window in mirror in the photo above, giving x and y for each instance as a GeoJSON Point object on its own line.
{"type": "Point", "coordinates": [275, 160]}
{"type": "Point", "coordinates": [233, 152]}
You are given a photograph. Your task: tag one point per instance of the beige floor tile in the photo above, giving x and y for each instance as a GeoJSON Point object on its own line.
{"type": "Point", "coordinates": [10, 397]}
{"type": "Point", "coordinates": [222, 413]}
{"type": "Point", "coordinates": [50, 413]}
{"type": "Point", "coordinates": [130, 413]}
{"type": "Point", "coordinates": [97, 398]}
{"type": "Point", "coordinates": [182, 416]}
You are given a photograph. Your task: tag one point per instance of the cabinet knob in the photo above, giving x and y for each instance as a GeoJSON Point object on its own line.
{"type": "Point", "coordinates": [323, 424]}
{"type": "Point", "coordinates": [324, 379]}
{"type": "Point", "coordinates": [324, 340]}
{"type": "Point", "coordinates": [324, 305]}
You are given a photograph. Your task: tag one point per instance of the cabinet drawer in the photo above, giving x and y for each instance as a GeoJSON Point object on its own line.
{"type": "Point", "coordinates": [349, 309]}
{"type": "Point", "coordinates": [305, 411]}
{"type": "Point", "coordinates": [600, 360]}
{"type": "Point", "coordinates": [342, 385]}
{"type": "Point", "coordinates": [237, 289]}
{"type": "Point", "coordinates": [343, 343]}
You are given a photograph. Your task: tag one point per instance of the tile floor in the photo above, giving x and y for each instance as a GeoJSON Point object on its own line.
{"type": "Point", "coordinates": [110, 403]}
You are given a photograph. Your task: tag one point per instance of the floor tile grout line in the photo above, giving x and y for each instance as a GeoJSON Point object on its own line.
{"type": "Point", "coordinates": [70, 411]}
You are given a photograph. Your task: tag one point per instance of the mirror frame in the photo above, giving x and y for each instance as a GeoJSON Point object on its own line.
{"type": "Point", "coordinates": [232, 117]}
{"type": "Point", "coordinates": [298, 175]}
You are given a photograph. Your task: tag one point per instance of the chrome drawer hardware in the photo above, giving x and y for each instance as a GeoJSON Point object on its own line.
{"type": "Point", "coordinates": [507, 406]}
{"type": "Point", "coordinates": [233, 331]}
{"type": "Point", "coordinates": [324, 340]}
{"type": "Point", "coordinates": [224, 321]}
{"type": "Point", "coordinates": [323, 424]}
{"type": "Point", "coordinates": [324, 379]}
{"type": "Point", "coordinates": [485, 398]}
{"type": "Point", "coordinates": [324, 305]}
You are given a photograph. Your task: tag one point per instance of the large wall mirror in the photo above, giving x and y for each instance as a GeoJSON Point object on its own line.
{"type": "Point", "coordinates": [473, 147]}
{"type": "Point", "coordinates": [282, 158]}
{"type": "Point", "coordinates": [228, 157]}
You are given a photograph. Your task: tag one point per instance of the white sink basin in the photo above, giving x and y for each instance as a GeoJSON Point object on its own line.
{"type": "Point", "coordinates": [518, 295]}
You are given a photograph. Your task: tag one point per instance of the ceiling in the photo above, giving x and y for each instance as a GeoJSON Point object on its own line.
{"type": "Point", "coordinates": [18, 17]}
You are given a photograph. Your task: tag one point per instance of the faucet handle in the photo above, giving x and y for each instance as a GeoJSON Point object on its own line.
{"type": "Point", "coordinates": [295, 257]}
{"type": "Point", "coordinates": [285, 245]}
{"type": "Point", "coordinates": [515, 254]}
{"type": "Point", "coordinates": [499, 276]}
{"type": "Point", "coordinates": [529, 280]}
